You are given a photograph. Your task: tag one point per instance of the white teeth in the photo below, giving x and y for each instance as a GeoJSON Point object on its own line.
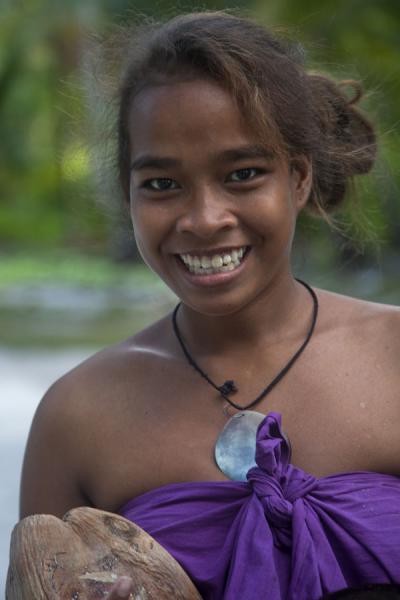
{"type": "Point", "coordinates": [218, 263]}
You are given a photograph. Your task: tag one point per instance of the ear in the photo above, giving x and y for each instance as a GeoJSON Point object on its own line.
{"type": "Point", "coordinates": [302, 178]}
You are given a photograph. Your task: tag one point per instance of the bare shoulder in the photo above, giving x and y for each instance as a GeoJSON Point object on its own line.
{"type": "Point", "coordinates": [83, 411]}
{"type": "Point", "coordinates": [108, 372]}
{"type": "Point", "coordinates": [372, 326]}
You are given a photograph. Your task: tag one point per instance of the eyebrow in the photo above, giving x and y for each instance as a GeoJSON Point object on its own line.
{"type": "Point", "coordinates": [245, 152]}
{"type": "Point", "coordinates": [148, 161]}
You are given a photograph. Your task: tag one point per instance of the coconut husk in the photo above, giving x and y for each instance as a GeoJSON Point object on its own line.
{"type": "Point", "coordinates": [80, 556]}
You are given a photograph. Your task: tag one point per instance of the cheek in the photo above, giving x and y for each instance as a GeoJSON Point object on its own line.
{"type": "Point", "coordinates": [142, 230]}
{"type": "Point", "coordinates": [150, 226]}
{"type": "Point", "coordinates": [274, 215]}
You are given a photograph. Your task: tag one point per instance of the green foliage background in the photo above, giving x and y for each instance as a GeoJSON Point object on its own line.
{"type": "Point", "coordinates": [48, 190]}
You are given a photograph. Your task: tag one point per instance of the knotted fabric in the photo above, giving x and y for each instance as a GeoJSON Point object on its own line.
{"type": "Point", "coordinates": [283, 534]}
{"type": "Point", "coordinates": [277, 484]}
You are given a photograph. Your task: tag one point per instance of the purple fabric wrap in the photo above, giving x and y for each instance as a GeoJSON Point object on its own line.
{"type": "Point", "coordinates": [284, 534]}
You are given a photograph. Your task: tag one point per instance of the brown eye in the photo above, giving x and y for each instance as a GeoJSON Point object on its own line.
{"type": "Point", "coordinates": [160, 184]}
{"type": "Point", "coordinates": [244, 174]}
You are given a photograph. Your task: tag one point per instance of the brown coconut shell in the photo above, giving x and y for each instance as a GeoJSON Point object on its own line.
{"type": "Point", "coordinates": [80, 556]}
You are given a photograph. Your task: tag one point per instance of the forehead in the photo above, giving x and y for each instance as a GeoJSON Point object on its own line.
{"type": "Point", "coordinates": [179, 117]}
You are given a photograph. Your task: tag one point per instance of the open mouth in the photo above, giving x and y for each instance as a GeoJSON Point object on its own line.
{"type": "Point", "coordinates": [226, 261]}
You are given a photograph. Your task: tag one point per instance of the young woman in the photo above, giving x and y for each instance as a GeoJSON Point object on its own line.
{"type": "Point", "coordinates": [223, 139]}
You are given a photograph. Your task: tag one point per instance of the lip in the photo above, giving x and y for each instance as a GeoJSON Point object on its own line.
{"type": "Point", "coordinates": [214, 279]}
{"type": "Point", "coordinates": [212, 251]}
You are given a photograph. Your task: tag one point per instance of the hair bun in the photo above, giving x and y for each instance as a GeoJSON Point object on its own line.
{"type": "Point", "coordinates": [347, 139]}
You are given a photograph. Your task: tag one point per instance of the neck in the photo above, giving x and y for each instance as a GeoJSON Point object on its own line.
{"type": "Point", "coordinates": [277, 316]}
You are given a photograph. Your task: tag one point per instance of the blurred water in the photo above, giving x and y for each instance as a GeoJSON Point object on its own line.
{"type": "Point", "coordinates": [24, 377]}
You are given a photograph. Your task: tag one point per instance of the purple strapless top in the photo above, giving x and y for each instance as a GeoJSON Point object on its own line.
{"type": "Point", "coordinates": [283, 534]}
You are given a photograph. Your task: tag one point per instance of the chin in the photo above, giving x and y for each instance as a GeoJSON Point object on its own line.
{"type": "Point", "coordinates": [214, 307]}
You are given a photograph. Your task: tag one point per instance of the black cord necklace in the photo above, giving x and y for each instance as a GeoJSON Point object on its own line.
{"type": "Point", "coordinates": [229, 387]}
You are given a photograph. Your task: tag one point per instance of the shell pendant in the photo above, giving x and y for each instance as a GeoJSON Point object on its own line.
{"type": "Point", "coordinates": [235, 449]}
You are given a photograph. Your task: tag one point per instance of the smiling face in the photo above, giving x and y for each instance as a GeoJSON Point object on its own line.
{"type": "Point", "coordinates": [214, 211]}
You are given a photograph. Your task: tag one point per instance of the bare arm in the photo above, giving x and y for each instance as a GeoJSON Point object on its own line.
{"type": "Point", "coordinates": [52, 468]}
{"type": "Point", "coordinates": [53, 462]}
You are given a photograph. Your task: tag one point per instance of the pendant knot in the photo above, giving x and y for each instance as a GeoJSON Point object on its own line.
{"type": "Point", "coordinates": [228, 388]}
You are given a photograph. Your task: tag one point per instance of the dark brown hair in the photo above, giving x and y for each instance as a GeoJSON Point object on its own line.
{"type": "Point", "coordinates": [294, 112]}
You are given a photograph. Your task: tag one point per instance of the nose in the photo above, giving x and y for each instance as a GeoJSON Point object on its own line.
{"type": "Point", "coordinates": [206, 212]}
